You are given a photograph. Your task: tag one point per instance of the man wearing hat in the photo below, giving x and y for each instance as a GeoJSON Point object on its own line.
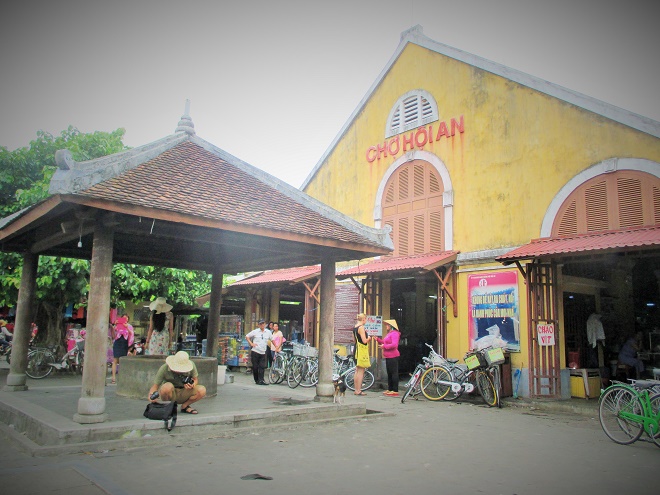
{"type": "Point", "coordinates": [390, 347]}
{"type": "Point", "coordinates": [177, 380]}
{"type": "Point", "coordinates": [258, 340]}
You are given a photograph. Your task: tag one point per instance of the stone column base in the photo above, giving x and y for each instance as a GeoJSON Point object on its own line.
{"type": "Point", "coordinates": [15, 388]}
{"type": "Point", "coordinates": [87, 419]}
{"type": "Point", "coordinates": [16, 382]}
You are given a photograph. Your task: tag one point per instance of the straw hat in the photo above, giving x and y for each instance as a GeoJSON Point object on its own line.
{"type": "Point", "coordinates": [160, 305]}
{"type": "Point", "coordinates": [180, 362]}
{"type": "Point", "coordinates": [392, 323]}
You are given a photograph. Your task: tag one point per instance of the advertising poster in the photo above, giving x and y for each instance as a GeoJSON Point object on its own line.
{"type": "Point", "coordinates": [494, 318]}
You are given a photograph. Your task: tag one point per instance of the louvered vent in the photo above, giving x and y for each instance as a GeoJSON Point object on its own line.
{"type": "Point", "coordinates": [414, 109]}
{"type": "Point", "coordinates": [630, 202]}
{"type": "Point", "coordinates": [434, 185]}
{"type": "Point", "coordinates": [403, 183]}
{"type": "Point", "coordinates": [568, 224]}
{"type": "Point", "coordinates": [418, 235]}
{"type": "Point", "coordinates": [595, 198]}
{"type": "Point", "coordinates": [389, 195]}
{"type": "Point", "coordinates": [415, 214]}
{"type": "Point", "coordinates": [616, 200]}
{"type": "Point", "coordinates": [403, 236]}
{"type": "Point", "coordinates": [435, 231]}
{"type": "Point", "coordinates": [418, 174]}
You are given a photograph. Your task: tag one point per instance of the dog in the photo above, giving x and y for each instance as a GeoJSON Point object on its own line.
{"type": "Point", "coordinates": [340, 389]}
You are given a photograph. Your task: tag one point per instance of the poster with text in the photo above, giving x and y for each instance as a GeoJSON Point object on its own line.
{"type": "Point", "coordinates": [494, 318]}
{"type": "Point", "coordinates": [374, 326]}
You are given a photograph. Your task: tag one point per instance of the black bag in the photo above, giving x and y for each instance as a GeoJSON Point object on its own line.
{"type": "Point", "coordinates": [164, 411]}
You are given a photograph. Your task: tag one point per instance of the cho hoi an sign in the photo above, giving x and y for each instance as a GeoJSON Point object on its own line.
{"type": "Point", "coordinates": [415, 139]}
{"type": "Point", "coordinates": [494, 318]}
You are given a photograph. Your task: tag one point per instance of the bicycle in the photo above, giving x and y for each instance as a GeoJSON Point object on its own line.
{"type": "Point", "coordinates": [625, 411]}
{"type": "Point", "coordinates": [413, 386]}
{"type": "Point", "coordinates": [42, 361]}
{"type": "Point", "coordinates": [480, 371]}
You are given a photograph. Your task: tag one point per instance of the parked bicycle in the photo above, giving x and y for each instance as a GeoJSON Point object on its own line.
{"type": "Point", "coordinates": [449, 380]}
{"type": "Point", "coordinates": [42, 361]}
{"type": "Point", "coordinates": [413, 386]}
{"type": "Point", "coordinates": [626, 411]}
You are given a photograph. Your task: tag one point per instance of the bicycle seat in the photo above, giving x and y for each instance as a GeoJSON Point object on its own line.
{"type": "Point", "coordinates": [452, 361]}
{"type": "Point", "coordinates": [644, 384]}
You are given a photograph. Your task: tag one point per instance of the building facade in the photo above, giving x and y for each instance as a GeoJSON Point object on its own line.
{"type": "Point", "coordinates": [467, 161]}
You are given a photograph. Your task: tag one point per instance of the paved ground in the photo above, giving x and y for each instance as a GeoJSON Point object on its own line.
{"type": "Point", "coordinates": [451, 448]}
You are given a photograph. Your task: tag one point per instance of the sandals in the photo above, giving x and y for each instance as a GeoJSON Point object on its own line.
{"type": "Point", "coordinates": [189, 410]}
{"type": "Point", "coordinates": [361, 393]}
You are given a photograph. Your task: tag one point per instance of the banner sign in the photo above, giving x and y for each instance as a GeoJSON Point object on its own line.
{"type": "Point", "coordinates": [546, 333]}
{"type": "Point", "coordinates": [494, 318]}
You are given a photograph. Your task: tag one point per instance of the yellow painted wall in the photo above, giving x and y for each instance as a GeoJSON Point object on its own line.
{"type": "Point", "coordinates": [518, 149]}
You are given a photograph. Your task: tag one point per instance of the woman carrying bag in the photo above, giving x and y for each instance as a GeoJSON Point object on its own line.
{"type": "Point", "coordinates": [362, 359]}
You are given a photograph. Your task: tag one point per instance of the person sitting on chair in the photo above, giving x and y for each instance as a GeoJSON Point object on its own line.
{"type": "Point", "coordinates": [628, 353]}
{"type": "Point", "coordinates": [177, 380]}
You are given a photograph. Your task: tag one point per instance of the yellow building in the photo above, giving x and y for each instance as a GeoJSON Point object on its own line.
{"type": "Point", "coordinates": [468, 161]}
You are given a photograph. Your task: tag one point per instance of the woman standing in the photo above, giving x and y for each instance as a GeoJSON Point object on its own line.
{"type": "Point", "coordinates": [122, 336]}
{"type": "Point", "coordinates": [361, 352]}
{"type": "Point", "coordinates": [161, 327]}
{"type": "Point", "coordinates": [390, 346]}
{"type": "Point", "coordinates": [276, 341]}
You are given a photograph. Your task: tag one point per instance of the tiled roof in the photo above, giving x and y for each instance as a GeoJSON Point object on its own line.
{"type": "Point", "coordinates": [190, 179]}
{"type": "Point", "coordinates": [586, 243]}
{"type": "Point", "coordinates": [285, 275]}
{"type": "Point", "coordinates": [419, 262]}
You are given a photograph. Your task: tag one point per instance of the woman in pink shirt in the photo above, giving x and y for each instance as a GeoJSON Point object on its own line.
{"type": "Point", "coordinates": [390, 346]}
{"type": "Point", "coordinates": [123, 337]}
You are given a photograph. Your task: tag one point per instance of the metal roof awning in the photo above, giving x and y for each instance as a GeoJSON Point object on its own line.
{"type": "Point", "coordinates": [288, 275]}
{"type": "Point", "coordinates": [392, 265]}
{"type": "Point", "coordinates": [626, 240]}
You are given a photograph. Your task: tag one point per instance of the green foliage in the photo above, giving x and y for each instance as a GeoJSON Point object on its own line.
{"type": "Point", "coordinates": [25, 172]}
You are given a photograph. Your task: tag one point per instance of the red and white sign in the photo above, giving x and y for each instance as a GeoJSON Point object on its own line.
{"type": "Point", "coordinates": [545, 333]}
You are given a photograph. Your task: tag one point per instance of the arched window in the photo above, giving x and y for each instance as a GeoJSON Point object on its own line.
{"type": "Point", "coordinates": [412, 110]}
{"type": "Point", "coordinates": [610, 201]}
{"type": "Point", "coordinates": [412, 206]}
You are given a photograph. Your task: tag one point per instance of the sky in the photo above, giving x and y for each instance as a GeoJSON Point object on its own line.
{"type": "Point", "coordinates": [273, 82]}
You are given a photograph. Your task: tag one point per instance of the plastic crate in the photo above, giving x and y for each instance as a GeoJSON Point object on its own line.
{"type": "Point", "coordinates": [495, 356]}
{"type": "Point", "coordinates": [476, 360]}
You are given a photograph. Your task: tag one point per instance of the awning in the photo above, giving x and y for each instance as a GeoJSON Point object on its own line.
{"type": "Point", "coordinates": [642, 238]}
{"type": "Point", "coordinates": [288, 275]}
{"type": "Point", "coordinates": [417, 263]}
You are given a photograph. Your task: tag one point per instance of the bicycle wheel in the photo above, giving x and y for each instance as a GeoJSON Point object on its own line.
{"type": "Point", "coordinates": [294, 375]}
{"type": "Point", "coordinates": [486, 388]}
{"type": "Point", "coordinates": [655, 411]}
{"type": "Point", "coordinates": [431, 389]}
{"type": "Point", "coordinates": [276, 371]}
{"type": "Point", "coordinates": [8, 357]}
{"type": "Point", "coordinates": [310, 374]}
{"type": "Point", "coordinates": [613, 402]}
{"type": "Point", "coordinates": [349, 379]}
{"type": "Point", "coordinates": [39, 362]}
{"type": "Point", "coordinates": [495, 373]}
{"type": "Point", "coordinates": [410, 386]}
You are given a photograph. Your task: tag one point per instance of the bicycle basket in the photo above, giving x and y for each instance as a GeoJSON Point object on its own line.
{"type": "Point", "coordinates": [475, 360]}
{"type": "Point", "coordinates": [437, 359]}
{"type": "Point", "coordinates": [80, 345]}
{"type": "Point", "coordinates": [304, 350]}
{"type": "Point", "coordinates": [495, 356]}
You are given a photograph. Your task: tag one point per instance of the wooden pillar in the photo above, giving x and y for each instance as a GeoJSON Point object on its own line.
{"type": "Point", "coordinates": [275, 305]}
{"type": "Point", "coordinates": [24, 316]}
{"type": "Point", "coordinates": [214, 314]}
{"type": "Point", "coordinates": [91, 405]}
{"type": "Point", "coordinates": [324, 388]}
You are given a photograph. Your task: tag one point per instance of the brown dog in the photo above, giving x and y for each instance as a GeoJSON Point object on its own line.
{"type": "Point", "coordinates": [340, 389]}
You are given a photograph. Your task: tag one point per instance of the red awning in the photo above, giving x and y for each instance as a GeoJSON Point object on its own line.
{"type": "Point", "coordinates": [418, 262]}
{"type": "Point", "coordinates": [642, 238]}
{"type": "Point", "coordinates": [290, 275]}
